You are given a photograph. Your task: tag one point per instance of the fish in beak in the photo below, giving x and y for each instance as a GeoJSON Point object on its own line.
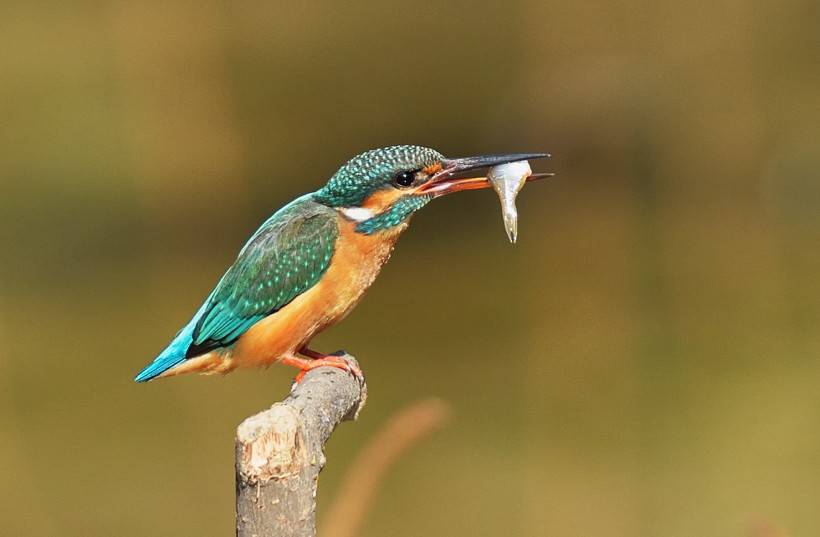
{"type": "Point", "coordinates": [445, 182]}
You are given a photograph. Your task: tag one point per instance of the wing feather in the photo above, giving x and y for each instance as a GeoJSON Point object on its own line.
{"type": "Point", "coordinates": [287, 256]}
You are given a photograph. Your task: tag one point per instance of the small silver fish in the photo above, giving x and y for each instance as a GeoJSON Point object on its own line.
{"type": "Point", "coordinates": [508, 180]}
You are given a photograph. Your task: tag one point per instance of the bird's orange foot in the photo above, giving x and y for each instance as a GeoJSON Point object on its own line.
{"type": "Point", "coordinates": [321, 360]}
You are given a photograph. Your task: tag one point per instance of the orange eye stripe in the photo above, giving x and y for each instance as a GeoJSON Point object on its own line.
{"type": "Point", "coordinates": [382, 199]}
{"type": "Point", "coordinates": [433, 168]}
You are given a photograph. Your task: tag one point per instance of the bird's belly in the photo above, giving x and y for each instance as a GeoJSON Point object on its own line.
{"type": "Point", "coordinates": [356, 262]}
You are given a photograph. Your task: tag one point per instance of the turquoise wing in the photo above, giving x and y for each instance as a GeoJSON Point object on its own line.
{"type": "Point", "coordinates": [287, 256]}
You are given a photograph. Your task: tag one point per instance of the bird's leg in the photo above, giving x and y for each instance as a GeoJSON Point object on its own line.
{"type": "Point", "coordinates": [304, 351]}
{"type": "Point", "coordinates": [316, 359]}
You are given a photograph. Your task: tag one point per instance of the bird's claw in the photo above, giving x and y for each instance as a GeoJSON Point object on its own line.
{"type": "Point", "coordinates": [340, 360]}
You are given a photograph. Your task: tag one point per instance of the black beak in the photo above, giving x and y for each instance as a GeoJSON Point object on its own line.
{"type": "Point", "coordinates": [457, 165]}
{"type": "Point", "coordinates": [443, 181]}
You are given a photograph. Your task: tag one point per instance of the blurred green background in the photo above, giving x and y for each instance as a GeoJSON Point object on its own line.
{"type": "Point", "coordinates": [643, 362]}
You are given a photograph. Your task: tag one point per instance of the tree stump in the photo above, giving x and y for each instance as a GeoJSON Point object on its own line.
{"type": "Point", "coordinates": [280, 452]}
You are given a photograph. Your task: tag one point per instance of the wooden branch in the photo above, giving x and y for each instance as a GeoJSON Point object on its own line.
{"type": "Point", "coordinates": [279, 453]}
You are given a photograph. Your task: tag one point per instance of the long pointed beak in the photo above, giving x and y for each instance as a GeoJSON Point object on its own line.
{"type": "Point", "coordinates": [443, 181]}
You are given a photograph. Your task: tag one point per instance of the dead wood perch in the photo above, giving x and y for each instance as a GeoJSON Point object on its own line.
{"type": "Point", "coordinates": [279, 453]}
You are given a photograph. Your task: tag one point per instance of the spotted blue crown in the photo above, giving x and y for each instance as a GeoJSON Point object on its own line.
{"type": "Point", "coordinates": [372, 170]}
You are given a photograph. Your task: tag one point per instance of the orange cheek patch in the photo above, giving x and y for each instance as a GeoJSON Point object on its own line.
{"type": "Point", "coordinates": [382, 199]}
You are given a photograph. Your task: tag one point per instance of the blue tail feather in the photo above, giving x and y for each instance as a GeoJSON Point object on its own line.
{"type": "Point", "coordinates": [173, 354]}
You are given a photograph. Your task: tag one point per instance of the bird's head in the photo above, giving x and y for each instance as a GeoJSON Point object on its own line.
{"type": "Point", "coordinates": [382, 188]}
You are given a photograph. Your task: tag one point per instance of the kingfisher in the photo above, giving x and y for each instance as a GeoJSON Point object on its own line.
{"type": "Point", "coordinates": [310, 263]}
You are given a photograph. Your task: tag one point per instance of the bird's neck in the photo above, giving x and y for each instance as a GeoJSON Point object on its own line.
{"type": "Point", "coordinates": [383, 210]}
{"type": "Point", "coordinates": [395, 215]}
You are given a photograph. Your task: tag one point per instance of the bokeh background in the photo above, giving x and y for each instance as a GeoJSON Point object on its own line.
{"type": "Point", "coordinates": [645, 361]}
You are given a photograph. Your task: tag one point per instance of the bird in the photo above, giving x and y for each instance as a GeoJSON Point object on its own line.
{"type": "Point", "coordinates": [310, 263]}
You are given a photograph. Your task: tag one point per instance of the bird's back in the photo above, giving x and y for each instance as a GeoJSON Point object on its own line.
{"type": "Point", "coordinates": [286, 256]}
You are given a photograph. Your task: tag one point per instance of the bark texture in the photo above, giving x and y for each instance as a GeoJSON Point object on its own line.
{"type": "Point", "coordinates": [279, 453]}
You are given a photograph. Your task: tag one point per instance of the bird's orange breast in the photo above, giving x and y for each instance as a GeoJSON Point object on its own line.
{"type": "Point", "coordinates": [356, 262]}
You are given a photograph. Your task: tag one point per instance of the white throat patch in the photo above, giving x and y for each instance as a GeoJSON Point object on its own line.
{"type": "Point", "coordinates": [358, 214]}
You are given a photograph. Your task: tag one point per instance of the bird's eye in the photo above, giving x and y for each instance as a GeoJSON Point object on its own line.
{"type": "Point", "coordinates": [405, 178]}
